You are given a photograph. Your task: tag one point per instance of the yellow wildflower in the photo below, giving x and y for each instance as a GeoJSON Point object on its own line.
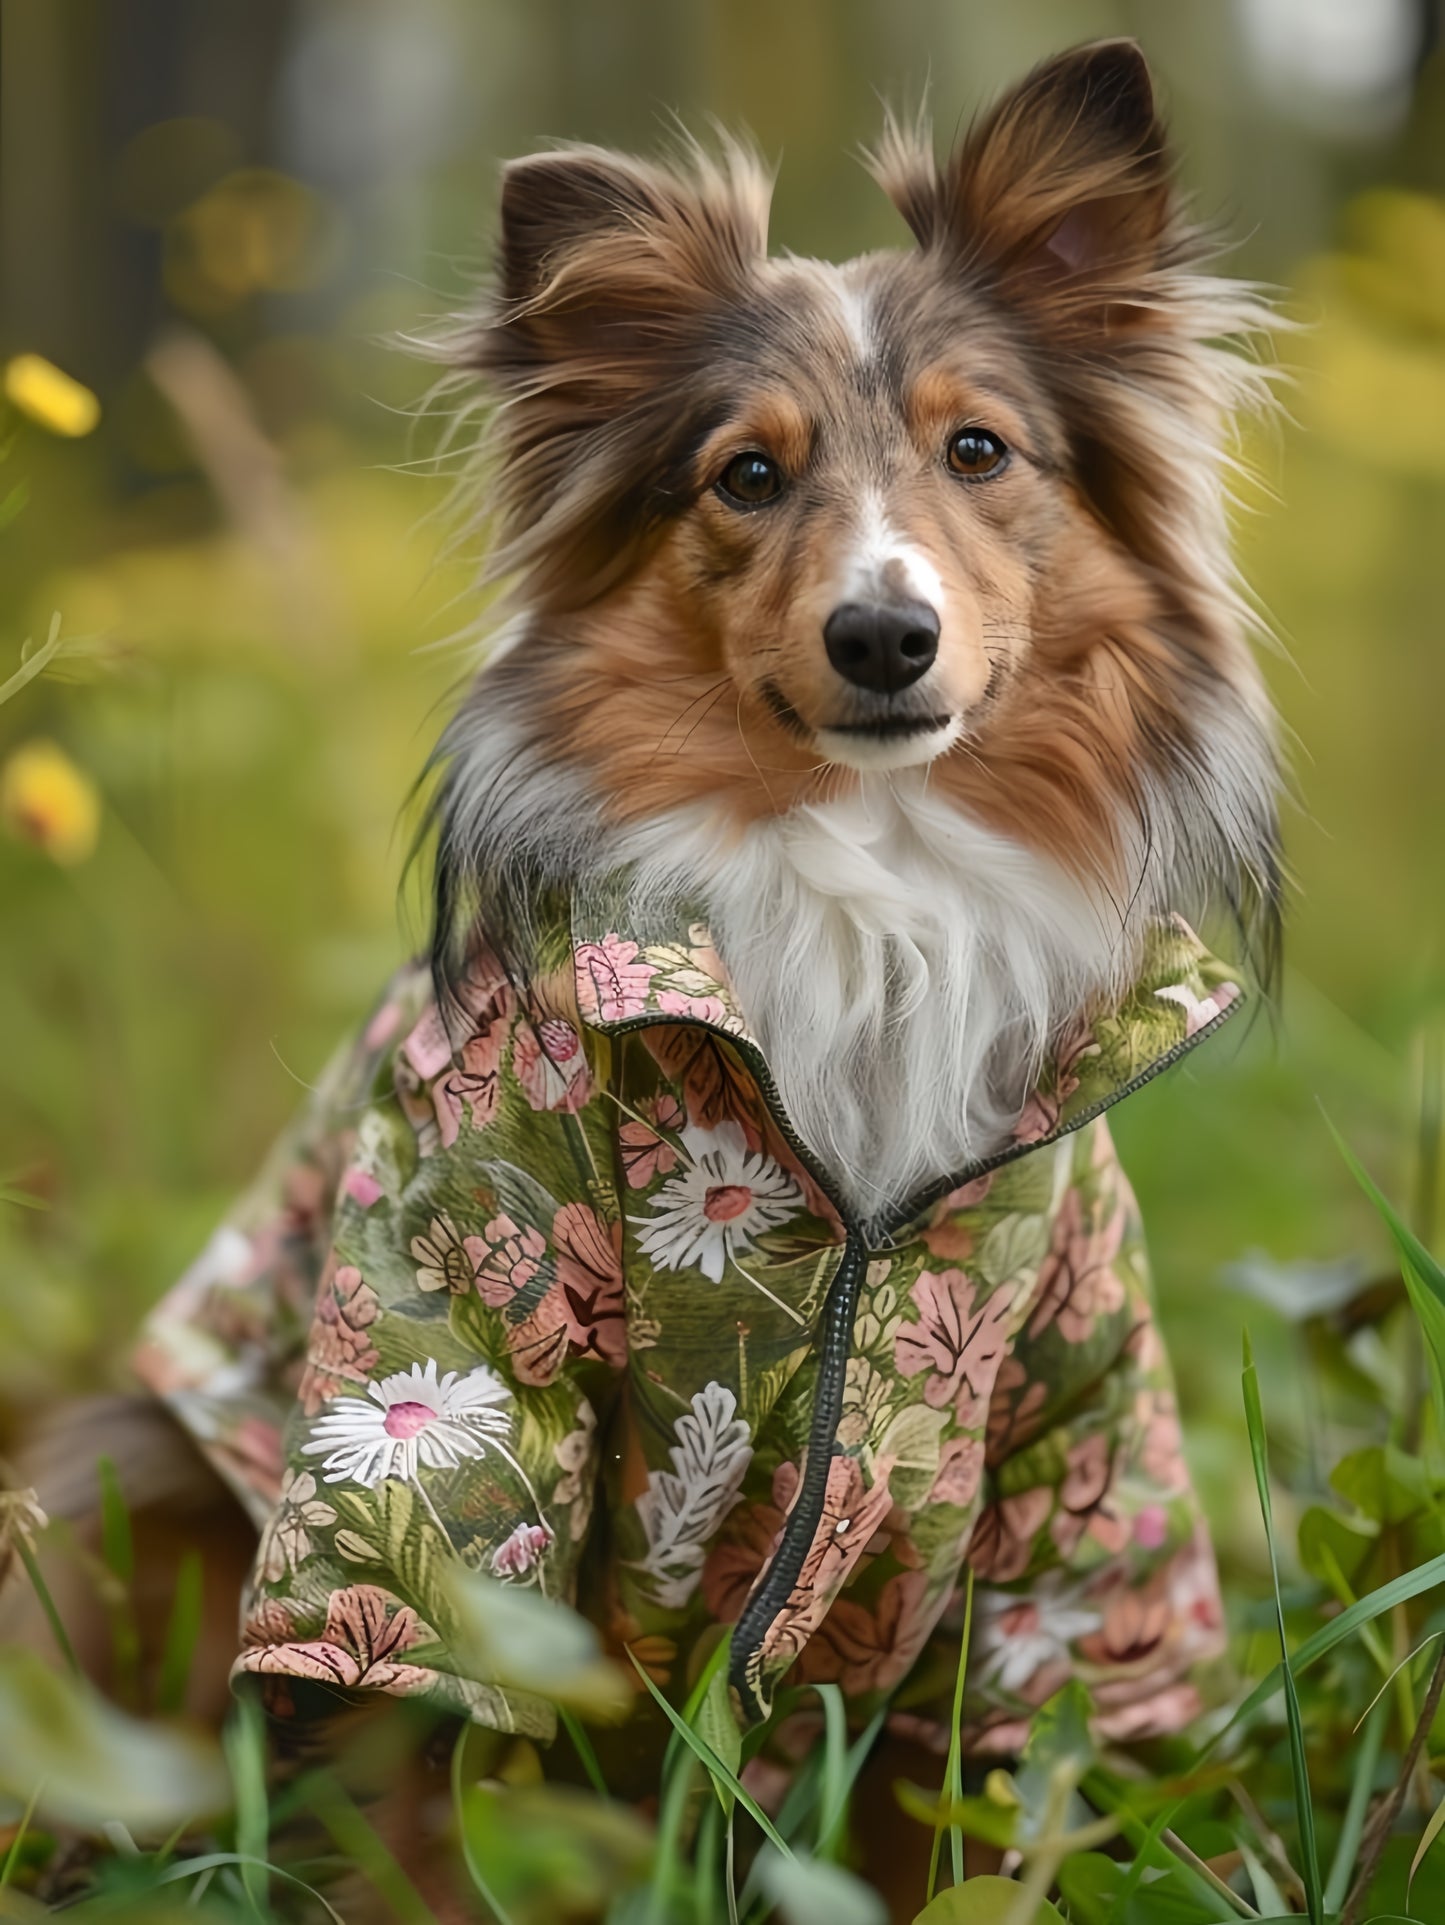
{"type": "Point", "coordinates": [48, 395]}
{"type": "Point", "coordinates": [46, 800]}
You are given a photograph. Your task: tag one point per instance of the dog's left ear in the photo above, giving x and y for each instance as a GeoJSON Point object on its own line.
{"type": "Point", "coordinates": [1061, 193]}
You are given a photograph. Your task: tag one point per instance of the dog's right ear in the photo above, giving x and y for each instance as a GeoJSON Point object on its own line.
{"type": "Point", "coordinates": [601, 255]}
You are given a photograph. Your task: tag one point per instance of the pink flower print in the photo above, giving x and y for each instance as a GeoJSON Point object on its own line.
{"type": "Point", "coordinates": [505, 1260]}
{"type": "Point", "coordinates": [515, 1276]}
{"type": "Point", "coordinates": [1002, 1546]}
{"type": "Point", "coordinates": [743, 1547]}
{"type": "Point", "coordinates": [1161, 1455]}
{"type": "Point", "coordinates": [646, 1152]}
{"type": "Point", "coordinates": [428, 1048]}
{"type": "Point", "coordinates": [961, 1347]}
{"type": "Point", "coordinates": [521, 1552]}
{"type": "Point", "coordinates": [339, 1350]}
{"type": "Point", "coordinates": [1090, 1464]}
{"type": "Point", "coordinates": [612, 982]}
{"type": "Point", "coordinates": [1015, 1409]}
{"type": "Point", "coordinates": [865, 1650]}
{"type": "Point", "coordinates": [697, 1009]}
{"type": "Point", "coordinates": [1151, 1527]}
{"type": "Point", "coordinates": [443, 1259]}
{"type": "Point", "coordinates": [366, 1634]}
{"type": "Point", "coordinates": [589, 1274]}
{"type": "Point", "coordinates": [946, 1237]}
{"type": "Point", "coordinates": [472, 1085]}
{"type": "Point", "coordinates": [960, 1471]}
{"type": "Point", "coordinates": [852, 1517]}
{"type": "Point", "coordinates": [1198, 1010]}
{"type": "Point", "coordinates": [1077, 1281]}
{"type": "Point", "coordinates": [1043, 1112]}
{"type": "Point", "coordinates": [362, 1187]}
{"type": "Point", "coordinates": [382, 1027]}
{"type": "Point", "coordinates": [549, 1062]}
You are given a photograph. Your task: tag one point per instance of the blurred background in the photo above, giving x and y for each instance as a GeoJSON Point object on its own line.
{"type": "Point", "coordinates": [220, 513]}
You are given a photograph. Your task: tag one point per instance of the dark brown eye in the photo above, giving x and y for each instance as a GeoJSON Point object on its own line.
{"type": "Point", "coordinates": [749, 480]}
{"type": "Point", "coordinates": [974, 453]}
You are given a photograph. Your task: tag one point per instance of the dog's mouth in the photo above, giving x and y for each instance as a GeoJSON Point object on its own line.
{"type": "Point", "coordinates": [889, 728]}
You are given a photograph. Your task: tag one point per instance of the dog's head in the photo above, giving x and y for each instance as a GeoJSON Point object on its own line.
{"type": "Point", "coordinates": [958, 504]}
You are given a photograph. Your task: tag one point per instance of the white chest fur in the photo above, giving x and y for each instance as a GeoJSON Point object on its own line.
{"type": "Point", "coordinates": [903, 969]}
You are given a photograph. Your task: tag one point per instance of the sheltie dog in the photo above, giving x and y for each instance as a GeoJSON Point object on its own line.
{"type": "Point", "coordinates": [884, 609]}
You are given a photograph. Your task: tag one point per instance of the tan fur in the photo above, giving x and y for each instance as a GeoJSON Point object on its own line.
{"type": "Point", "coordinates": [643, 340]}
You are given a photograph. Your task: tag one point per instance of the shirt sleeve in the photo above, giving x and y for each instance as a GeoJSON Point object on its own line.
{"type": "Point", "coordinates": [466, 1336]}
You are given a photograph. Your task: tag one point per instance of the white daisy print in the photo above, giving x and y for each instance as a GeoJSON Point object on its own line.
{"type": "Point", "coordinates": [1018, 1635]}
{"type": "Point", "coordinates": [712, 1212]}
{"type": "Point", "coordinates": [411, 1418]}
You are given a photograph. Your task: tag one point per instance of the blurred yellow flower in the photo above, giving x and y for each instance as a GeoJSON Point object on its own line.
{"type": "Point", "coordinates": [47, 800]}
{"type": "Point", "coordinates": [48, 395]}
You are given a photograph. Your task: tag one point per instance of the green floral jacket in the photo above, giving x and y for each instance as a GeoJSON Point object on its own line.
{"type": "Point", "coordinates": [564, 1297]}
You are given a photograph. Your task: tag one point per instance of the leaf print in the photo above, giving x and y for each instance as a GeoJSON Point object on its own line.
{"type": "Point", "coordinates": [549, 1062]}
{"type": "Point", "coordinates": [442, 1259]}
{"type": "Point", "coordinates": [716, 1086]}
{"type": "Point", "coordinates": [339, 1351]}
{"type": "Point", "coordinates": [681, 1508]}
{"type": "Point", "coordinates": [286, 1540]}
{"type": "Point", "coordinates": [589, 1273]}
{"type": "Point", "coordinates": [645, 1150]}
{"type": "Point", "coordinates": [611, 979]}
{"type": "Point", "coordinates": [960, 1346]}
{"type": "Point", "coordinates": [366, 1633]}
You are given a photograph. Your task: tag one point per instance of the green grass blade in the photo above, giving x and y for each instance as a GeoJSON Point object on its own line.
{"type": "Point", "coordinates": [499, 1912]}
{"type": "Point", "coordinates": [833, 1788]}
{"type": "Point", "coordinates": [12, 1856]}
{"type": "Point", "coordinates": [244, 1740]}
{"type": "Point", "coordinates": [1427, 1839]}
{"type": "Point", "coordinates": [358, 1841]}
{"type": "Point", "coordinates": [47, 1603]}
{"type": "Point", "coordinates": [582, 1745]}
{"type": "Point", "coordinates": [218, 1860]}
{"type": "Point", "coordinates": [182, 1632]}
{"type": "Point", "coordinates": [1424, 1278]}
{"type": "Point", "coordinates": [1425, 1577]}
{"type": "Point", "coordinates": [1366, 1758]}
{"type": "Point", "coordinates": [1304, 1804]}
{"type": "Point", "coordinates": [117, 1546]}
{"type": "Point", "coordinates": [714, 1766]}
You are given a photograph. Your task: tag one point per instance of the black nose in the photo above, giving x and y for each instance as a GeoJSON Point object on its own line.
{"type": "Point", "coordinates": [882, 645]}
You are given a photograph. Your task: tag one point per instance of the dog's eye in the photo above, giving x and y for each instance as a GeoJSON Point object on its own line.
{"type": "Point", "coordinates": [750, 479]}
{"type": "Point", "coordinates": [974, 452]}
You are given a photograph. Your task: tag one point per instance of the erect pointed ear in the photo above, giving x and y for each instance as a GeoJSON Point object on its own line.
{"type": "Point", "coordinates": [1062, 190]}
{"type": "Point", "coordinates": [599, 253]}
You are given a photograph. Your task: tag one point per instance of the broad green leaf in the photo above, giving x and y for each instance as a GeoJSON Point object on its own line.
{"type": "Point", "coordinates": [1322, 1530]}
{"type": "Point", "coordinates": [515, 1637]}
{"type": "Point", "coordinates": [93, 1763]}
{"type": "Point", "coordinates": [551, 1852]}
{"type": "Point", "coordinates": [982, 1818]}
{"type": "Point", "coordinates": [984, 1901]}
{"type": "Point", "coordinates": [1384, 1482]}
{"type": "Point", "coordinates": [807, 1890]}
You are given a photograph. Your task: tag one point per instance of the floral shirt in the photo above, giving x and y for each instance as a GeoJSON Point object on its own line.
{"type": "Point", "coordinates": [567, 1259]}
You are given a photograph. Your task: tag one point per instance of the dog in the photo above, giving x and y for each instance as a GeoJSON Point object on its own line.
{"type": "Point", "coordinates": [721, 1228]}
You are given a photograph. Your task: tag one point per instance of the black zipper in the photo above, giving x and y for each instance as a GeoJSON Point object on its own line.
{"type": "Point", "coordinates": [834, 1341]}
